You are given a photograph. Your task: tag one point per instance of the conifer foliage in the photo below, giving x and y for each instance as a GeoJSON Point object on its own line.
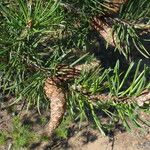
{"type": "Point", "coordinates": [52, 50]}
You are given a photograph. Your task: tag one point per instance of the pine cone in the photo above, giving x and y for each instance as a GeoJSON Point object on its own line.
{"type": "Point", "coordinates": [58, 101]}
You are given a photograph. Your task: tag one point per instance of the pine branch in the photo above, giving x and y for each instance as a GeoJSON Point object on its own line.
{"type": "Point", "coordinates": [135, 25]}
{"type": "Point", "coordinates": [143, 98]}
